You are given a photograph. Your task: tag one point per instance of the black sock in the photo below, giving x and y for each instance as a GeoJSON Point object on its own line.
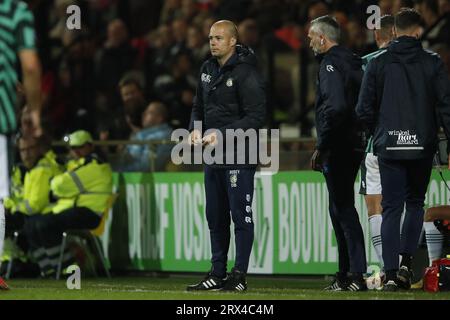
{"type": "Point", "coordinates": [406, 261]}
{"type": "Point", "coordinates": [342, 276]}
{"type": "Point", "coordinates": [391, 275]}
{"type": "Point", "coordinates": [357, 276]}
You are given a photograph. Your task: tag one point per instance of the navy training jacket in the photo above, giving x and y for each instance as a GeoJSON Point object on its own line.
{"type": "Point", "coordinates": [231, 97]}
{"type": "Point", "coordinates": [404, 95]}
{"type": "Point", "coordinates": [338, 85]}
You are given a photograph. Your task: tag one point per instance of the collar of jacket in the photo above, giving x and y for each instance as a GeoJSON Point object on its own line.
{"type": "Point", "coordinates": [331, 51]}
{"type": "Point", "coordinates": [45, 158]}
{"type": "Point", "coordinates": [50, 156]}
{"type": "Point", "coordinates": [242, 54]}
{"type": "Point", "coordinates": [92, 157]}
{"type": "Point", "coordinates": [231, 62]}
{"type": "Point", "coordinates": [338, 55]}
{"type": "Point", "coordinates": [405, 43]}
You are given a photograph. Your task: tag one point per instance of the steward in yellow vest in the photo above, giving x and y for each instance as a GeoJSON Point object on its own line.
{"type": "Point", "coordinates": [82, 193]}
{"type": "Point", "coordinates": [30, 192]}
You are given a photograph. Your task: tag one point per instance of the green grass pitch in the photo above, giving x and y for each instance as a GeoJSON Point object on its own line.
{"type": "Point", "coordinates": [171, 287]}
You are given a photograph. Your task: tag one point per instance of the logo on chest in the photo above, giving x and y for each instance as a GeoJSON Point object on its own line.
{"type": "Point", "coordinates": [206, 78]}
{"type": "Point", "coordinates": [229, 82]}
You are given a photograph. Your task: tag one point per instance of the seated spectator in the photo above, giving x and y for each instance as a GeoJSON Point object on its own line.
{"type": "Point", "coordinates": [179, 32]}
{"type": "Point", "coordinates": [30, 188]}
{"type": "Point", "coordinates": [82, 196]}
{"type": "Point", "coordinates": [356, 39]}
{"type": "Point", "coordinates": [115, 58]}
{"type": "Point", "coordinates": [170, 11]}
{"type": "Point", "coordinates": [176, 90]}
{"type": "Point", "coordinates": [155, 127]}
{"type": "Point", "coordinates": [158, 54]}
{"type": "Point", "coordinates": [30, 194]}
{"type": "Point", "coordinates": [249, 34]}
{"type": "Point", "coordinates": [119, 125]}
{"type": "Point", "coordinates": [58, 25]}
{"type": "Point", "coordinates": [131, 88]}
{"type": "Point", "coordinates": [189, 10]}
{"type": "Point", "coordinates": [196, 44]}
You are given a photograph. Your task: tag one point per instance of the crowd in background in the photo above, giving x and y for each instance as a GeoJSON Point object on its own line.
{"type": "Point", "coordinates": [130, 53]}
{"type": "Point", "coordinates": [130, 73]}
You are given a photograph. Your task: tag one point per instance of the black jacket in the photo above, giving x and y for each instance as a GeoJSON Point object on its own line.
{"type": "Point", "coordinates": [231, 97]}
{"type": "Point", "coordinates": [404, 92]}
{"type": "Point", "coordinates": [339, 81]}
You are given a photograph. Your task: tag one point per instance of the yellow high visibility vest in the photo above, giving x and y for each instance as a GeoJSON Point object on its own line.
{"type": "Point", "coordinates": [16, 189]}
{"type": "Point", "coordinates": [36, 186]}
{"type": "Point", "coordinates": [88, 185]}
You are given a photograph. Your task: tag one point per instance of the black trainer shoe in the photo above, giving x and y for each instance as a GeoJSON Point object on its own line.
{"type": "Point", "coordinates": [357, 285]}
{"type": "Point", "coordinates": [235, 281]}
{"type": "Point", "coordinates": [209, 283]}
{"type": "Point", "coordinates": [339, 284]}
{"type": "Point", "coordinates": [390, 286]}
{"type": "Point", "coordinates": [404, 277]}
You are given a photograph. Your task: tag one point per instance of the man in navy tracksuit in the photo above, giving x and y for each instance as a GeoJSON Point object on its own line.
{"type": "Point", "coordinates": [337, 154]}
{"type": "Point", "coordinates": [230, 95]}
{"type": "Point", "coordinates": [404, 92]}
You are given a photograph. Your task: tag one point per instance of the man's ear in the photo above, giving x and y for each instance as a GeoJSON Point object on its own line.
{"type": "Point", "coordinates": [419, 32]}
{"type": "Point", "coordinates": [233, 41]}
{"type": "Point", "coordinates": [394, 32]}
{"type": "Point", "coordinates": [376, 36]}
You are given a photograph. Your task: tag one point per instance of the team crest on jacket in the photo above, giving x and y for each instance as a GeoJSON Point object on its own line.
{"type": "Point", "coordinates": [233, 180]}
{"type": "Point", "coordinates": [229, 82]}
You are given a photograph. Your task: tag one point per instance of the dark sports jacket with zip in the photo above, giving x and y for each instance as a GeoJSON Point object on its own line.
{"type": "Point", "coordinates": [338, 85]}
{"type": "Point", "coordinates": [404, 95]}
{"type": "Point", "coordinates": [231, 97]}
